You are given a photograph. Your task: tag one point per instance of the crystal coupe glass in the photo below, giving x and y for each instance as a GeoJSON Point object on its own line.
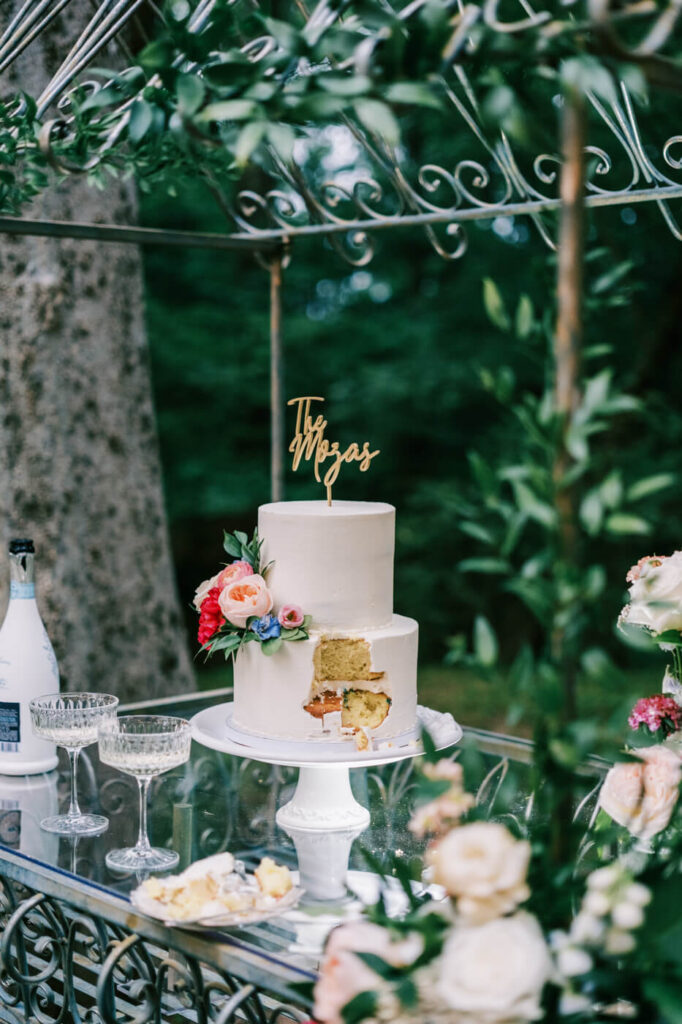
{"type": "Point", "coordinates": [70, 720]}
{"type": "Point", "coordinates": [144, 746]}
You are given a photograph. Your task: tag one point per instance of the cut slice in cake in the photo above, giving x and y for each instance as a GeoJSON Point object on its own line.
{"type": "Point", "coordinates": [345, 682]}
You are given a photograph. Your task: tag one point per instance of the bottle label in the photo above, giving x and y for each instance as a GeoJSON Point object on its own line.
{"type": "Point", "coordinates": [22, 590]}
{"type": "Point", "coordinates": [10, 727]}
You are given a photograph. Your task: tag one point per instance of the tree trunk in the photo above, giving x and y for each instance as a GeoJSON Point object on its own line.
{"type": "Point", "coordinates": [79, 460]}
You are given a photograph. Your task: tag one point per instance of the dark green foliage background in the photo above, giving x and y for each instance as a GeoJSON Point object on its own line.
{"type": "Point", "coordinates": [398, 349]}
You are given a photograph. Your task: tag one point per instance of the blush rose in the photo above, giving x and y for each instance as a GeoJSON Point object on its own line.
{"type": "Point", "coordinates": [484, 867]}
{"type": "Point", "coordinates": [344, 975]}
{"type": "Point", "coordinates": [642, 795]}
{"type": "Point", "coordinates": [243, 598]}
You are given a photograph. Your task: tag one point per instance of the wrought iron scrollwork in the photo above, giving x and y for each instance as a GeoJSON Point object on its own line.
{"type": "Point", "coordinates": [71, 966]}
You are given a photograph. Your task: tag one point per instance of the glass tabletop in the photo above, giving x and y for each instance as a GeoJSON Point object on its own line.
{"type": "Point", "coordinates": [219, 802]}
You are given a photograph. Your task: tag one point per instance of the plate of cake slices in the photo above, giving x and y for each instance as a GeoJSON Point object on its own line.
{"type": "Point", "coordinates": [217, 892]}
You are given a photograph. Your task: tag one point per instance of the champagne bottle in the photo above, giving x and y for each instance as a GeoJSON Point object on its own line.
{"type": "Point", "coordinates": [28, 669]}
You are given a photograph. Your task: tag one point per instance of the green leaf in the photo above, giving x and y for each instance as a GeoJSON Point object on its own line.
{"type": "Point", "coordinates": [344, 85]}
{"type": "Point", "coordinates": [494, 305]}
{"type": "Point", "coordinates": [412, 93]}
{"type": "Point", "coordinates": [525, 317]}
{"type": "Point", "coordinates": [378, 965]}
{"type": "Point", "coordinates": [190, 91]}
{"type": "Point", "coordinates": [485, 642]}
{"type": "Point", "coordinates": [622, 524]}
{"type": "Point", "coordinates": [650, 485]}
{"type": "Point", "coordinates": [591, 513]}
{"type": "Point", "coordinates": [378, 118]}
{"type": "Point", "coordinates": [271, 646]}
{"type": "Point", "coordinates": [611, 490]}
{"type": "Point", "coordinates": [307, 619]}
{"type": "Point", "coordinates": [587, 74]}
{"type": "Point", "coordinates": [487, 565]}
{"type": "Point", "coordinates": [536, 509]}
{"type": "Point", "coordinates": [229, 110]}
{"type": "Point", "coordinates": [231, 545]}
{"type": "Point", "coordinates": [282, 137]}
{"type": "Point", "coordinates": [477, 531]}
{"type": "Point", "coordinates": [249, 137]}
{"type": "Point", "coordinates": [241, 538]}
{"type": "Point", "coordinates": [140, 121]}
{"type": "Point", "coordinates": [361, 1007]}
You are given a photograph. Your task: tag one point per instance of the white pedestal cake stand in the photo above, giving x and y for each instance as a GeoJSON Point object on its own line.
{"type": "Point", "coordinates": [323, 817]}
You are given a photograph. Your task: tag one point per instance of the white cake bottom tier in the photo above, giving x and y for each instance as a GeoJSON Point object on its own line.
{"type": "Point", "coordinates": [271, 692]}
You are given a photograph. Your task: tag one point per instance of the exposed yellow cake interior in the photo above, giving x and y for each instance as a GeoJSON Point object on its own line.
{"type": "Point", "coordinates": [273, 879]}
{"type": "Point", "coordinates": [364, 709]}
{"type": "Point", "coordinates": [343, 659]}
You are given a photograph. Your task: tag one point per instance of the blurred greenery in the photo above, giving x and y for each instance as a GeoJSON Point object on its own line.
{"type": "Point", "coordinates": [406, 356]}
{"type": "Point", "coordinates": [443, 366]}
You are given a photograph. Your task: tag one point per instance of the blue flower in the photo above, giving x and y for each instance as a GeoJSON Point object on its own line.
{"type": "Point", "coordinates": [267, 628]}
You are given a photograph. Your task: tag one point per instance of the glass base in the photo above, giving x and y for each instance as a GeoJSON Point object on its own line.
{"type": "Point", "coordinates": [75, 824]}
{"type": "Point", "coordinates": [136, 859]}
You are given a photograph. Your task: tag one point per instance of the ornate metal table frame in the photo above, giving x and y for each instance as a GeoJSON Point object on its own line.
{"type": "Point", "coordinates": [74, 951]}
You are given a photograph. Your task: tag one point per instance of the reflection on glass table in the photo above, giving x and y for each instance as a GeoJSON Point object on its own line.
{"type": "Point", "coordinates": [218, 802]}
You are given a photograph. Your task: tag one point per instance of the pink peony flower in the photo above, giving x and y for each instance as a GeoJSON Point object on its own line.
{"type": "Point", "coordinates": [233, 572]}
{"type": "Point", "coordinates": [642, 796]}
{"type": "Point", "coordinates": [243, 598]}
{"type": "Point", "coordinates": [344, 975]}
{"type": "Point", "coordinates": [290, 616]}
{"type": "Point", "coordinates": [656, 713]}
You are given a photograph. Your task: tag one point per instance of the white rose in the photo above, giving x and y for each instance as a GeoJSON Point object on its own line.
{"type": "Point", "coordinates": [484, 867]}
{"type": "Point", "coordinates": [203, 589]}
{"type": "Point", "coordinates": [496, 971]}
{"type": "Point", "coordinates": [656, 595]}
{"type": "Point", "coordinates": [637, 893]}
{"type": "Point", "coordinates": [642, 795]}
{"type": "Point", "coordinates": [344, 975]}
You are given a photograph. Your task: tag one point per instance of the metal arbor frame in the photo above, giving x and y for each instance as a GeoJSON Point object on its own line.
{"type": "Point", "coordinates": [387, 192]}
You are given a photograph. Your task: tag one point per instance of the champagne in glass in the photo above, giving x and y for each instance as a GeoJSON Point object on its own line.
{"type": "Point", "coordinates": [70, 720]}
{"type": "Point", "coordinates": [144, 746]}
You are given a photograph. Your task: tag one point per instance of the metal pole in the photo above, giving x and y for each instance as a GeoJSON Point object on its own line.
{"type": "Point", "coordinates": [276, 382]}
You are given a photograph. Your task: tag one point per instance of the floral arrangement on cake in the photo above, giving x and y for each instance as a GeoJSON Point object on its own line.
{"type": "Point", "coordinates": [235, 606]}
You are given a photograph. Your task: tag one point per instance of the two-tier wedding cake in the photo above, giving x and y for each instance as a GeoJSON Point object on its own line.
{"type": "Point", "coordinates": [355, 676]}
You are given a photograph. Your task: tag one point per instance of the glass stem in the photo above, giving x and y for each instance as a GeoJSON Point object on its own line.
{"type": "Point", "coordinates": [142, 838]}
{"type": "Point", "coordinates": [74, 809]}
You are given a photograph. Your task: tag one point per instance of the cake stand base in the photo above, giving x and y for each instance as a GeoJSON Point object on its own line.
{"type": "Point", "coordinates": [323, 818]}
{"type": "Point", "coordinates": [323, 802]}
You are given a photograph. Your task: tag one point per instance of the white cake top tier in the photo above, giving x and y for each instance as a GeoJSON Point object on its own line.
{"type": "Point", "coordinates": [336, 561]}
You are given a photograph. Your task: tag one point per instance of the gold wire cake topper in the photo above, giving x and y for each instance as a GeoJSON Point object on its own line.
{"type": "Point", "coordinates": [309, 443]}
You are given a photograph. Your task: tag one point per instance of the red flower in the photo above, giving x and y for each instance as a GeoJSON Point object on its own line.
{"type": "Point", "coordinates": [657, 712]}
{"type": "Point", "coordinates": [210, 617]}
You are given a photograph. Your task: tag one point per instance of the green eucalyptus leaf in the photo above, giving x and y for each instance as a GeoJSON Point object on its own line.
{"type": "Point", "coordinates": [486, 565]}
{"type": "Point", "coordinates": [190, 91]}
{"type": "Point", "coordinates": [650, 485]}
{"type": "Point", "coordinates": [228, 110]}
{"type": "Point", "coordinates": [272, 645]}
{"type": "Point", "coordinates": [249, 138]}
{"type": "Point", "coordinates": [378, 118]}
{"type": "Point", "coordinates": [525, 317]}
{"type": "Point", "coordinates": [140, 120]}
{"type": "Point", "coordinates": [360, 1008]}
{"type": "Point", "coordinates": [494, 305]}
{"type": "Point", "coordinates": [623, 524]}
{"type": "Point", "coordinates": [485, 642]}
